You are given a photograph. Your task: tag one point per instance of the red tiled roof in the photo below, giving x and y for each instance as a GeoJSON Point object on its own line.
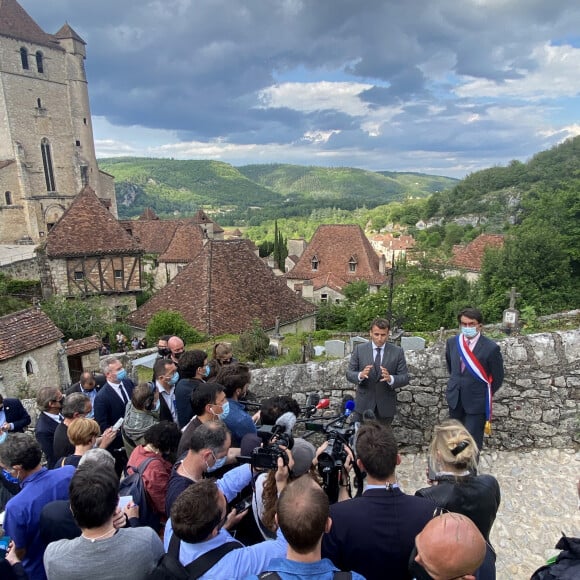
{"type": "Point", "coordinates": [185, 244]}
{"type": "Point", "coordinates": [223, 290]}
{"type": "Point", "coordinates": [471, 256]}
{"type": "Point", "coordinates": [152, 235]}
{"type": "Point", "coordinates": [148, 214]}
{"type": "Point", "coordinates": [24, 331]}
{"type": "Point", "coordinates": [82, 345]}
{"type": "Point", "coordinates": [328, 281]}
{"type": "Point", "coordinates": [16, 23]}
{"type": "Point", "coordinates": [87, 228]}
{"type": "Point", "coordinates": [334, 246]}
{"type": "Point", "coordinates": [202, 218]}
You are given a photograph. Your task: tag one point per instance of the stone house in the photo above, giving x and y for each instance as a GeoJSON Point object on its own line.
{"type": "Point", "coordinates": [47, 152]}
{"type": "Point", "coordinates": [82, 355]}
{"type": "Point", "coordinates": [89, 253]}
{"type": "Point", "coordinates": [467, 260]}
{"type": "Point", "coordinates": [336, 256]}
{"type": "Point", "coordinates": [393, 247]}
{"type": "Point", "coordinates": [224, 288]}
{"type": "Point", "coordinates": [31, 354]}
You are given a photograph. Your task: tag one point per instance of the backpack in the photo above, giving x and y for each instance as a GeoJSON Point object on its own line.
{"type": "Point", "coordinates": [170, 568]}
{"type": "Point", "coordinates": [134, 486]}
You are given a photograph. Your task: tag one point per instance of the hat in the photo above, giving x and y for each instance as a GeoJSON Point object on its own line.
{"type": "Point", "coordinates": [303, 453]}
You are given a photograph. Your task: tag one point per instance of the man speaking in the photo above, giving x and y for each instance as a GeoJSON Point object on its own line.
{"type": "Point", "coordinates": [377, 368]}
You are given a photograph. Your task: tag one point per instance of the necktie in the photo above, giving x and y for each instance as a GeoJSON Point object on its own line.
{"type": "Point", "coordinates": [378, 362]}
{"type": "Point", "coordinates": [462, 363]}
{"type": "Point", "coordinates": [123, 394]}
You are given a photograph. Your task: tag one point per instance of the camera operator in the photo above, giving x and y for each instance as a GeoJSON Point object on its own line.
{"type": "Point", "coordinates": [374, 534]}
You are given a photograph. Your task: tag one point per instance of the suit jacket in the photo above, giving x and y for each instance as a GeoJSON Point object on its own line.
{"type": "Point", "coordinates": [44, 433]}
{"type": "Point", "coordinates": [16, 414]}
{"type": "Point", "coordinates": [372, 392]}
{"type": "Point", "coordinates": [463, 385]}
{"type": "Point", "coordinates": [109, 408]}
{"type": "Point", "coordinates": [76, 388]}
{"type": "Point", "coordinates": [374, 534]}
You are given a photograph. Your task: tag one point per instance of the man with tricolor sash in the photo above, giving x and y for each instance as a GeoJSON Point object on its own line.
{"type": "Point", "coordinates": [475, 366]}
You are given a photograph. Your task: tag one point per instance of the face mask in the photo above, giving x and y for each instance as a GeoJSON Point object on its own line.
{"type": "Point", "coordinates": [469, 331]}
{"type": "Point", "coordinates": [173, 380]}
{"type": "Point", "coordinates": [207, 371]}
{"type": "Point", "coordinates": [122, 374]}
{"type": "Point", "coordinates": [218, 464]}
{"type": "Point", "coordinates": [164, 351]}
{"type": "Point", "coordinates": [225, 411]}
{"type": "Point", "coordinates": [177, 355]}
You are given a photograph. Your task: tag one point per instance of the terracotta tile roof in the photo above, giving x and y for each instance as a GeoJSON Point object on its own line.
{"type": "Point", "coordinates": [334, 246]}
{"type": "Point", "coordinates": [390, 242]}
{"type": "Point", "coordinates": [16, 23]}
{"type": "Point", "coordinates": [87, 228]}
{"type": "Point", "coordinates": [202, 218]}
{"type": "Point", "coordinates": [24, 331]}
{"type": "Point", "coordinates": [148, 214]}
{"type": "Point", "coordinates": [66, 31]}
{"type": "Point", "coordinates": [152, 235]}
{"type": "Point", "coordinates": [82, 345]}
{"type": "Point", "coordinates": [328, 281]}
{"type": "Point", "coordinates": [471, 256]}
{"type": "Point", "coordinates": [223, 290]}
{"type": "Point", "coordinates": [185, 245]}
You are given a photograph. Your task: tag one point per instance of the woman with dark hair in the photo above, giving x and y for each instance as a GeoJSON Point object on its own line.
{"type": "Point", "coordinates": [160, 444]}
{"type": "Point", "coordinates": [142, 413]}
{"type": "Point", "coordinates": [453, 455]}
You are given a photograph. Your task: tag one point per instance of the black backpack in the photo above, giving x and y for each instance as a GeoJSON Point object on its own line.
{"type": "Point", "coordinates": [134, 486]}
{"type": "Point", "coordinates": [170, 568]}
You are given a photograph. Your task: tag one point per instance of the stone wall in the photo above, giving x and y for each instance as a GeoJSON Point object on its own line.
{"type": "Point", "coordinates": [538, 405]}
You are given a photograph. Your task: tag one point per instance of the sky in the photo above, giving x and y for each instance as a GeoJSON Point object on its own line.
{"type": "Point", "coordinates": [445, 87]}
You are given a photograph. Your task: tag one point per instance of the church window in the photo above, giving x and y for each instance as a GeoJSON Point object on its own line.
{"type": "Point", "coordinates": [38, 103]}
{"type": "Point", "coordinates": [24, 57]}
{"type": "Point", "coordinates": [315, 263]}
{"type": "Point", "coordinates": [39, 62]}
{"type": "Point", "coordinates": [8, 197]}
{"type": "Point", "coordinates": [84, 175]}
{"type": "Point", "coordinates": [29, 368]}
{"type": "Point", "coordinates": [47, 163]}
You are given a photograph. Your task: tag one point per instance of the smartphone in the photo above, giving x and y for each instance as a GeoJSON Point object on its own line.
{"type": "Point", "coordinates": [4, 543]}
{"type": "Point", "coordinates": [243, 505]}
{"type": "Point", "coordinates": [125, 500]}
{"type": "Point", "coordinates": [431, 473]}
{"type": "Point", "coordinates": [117, 425]}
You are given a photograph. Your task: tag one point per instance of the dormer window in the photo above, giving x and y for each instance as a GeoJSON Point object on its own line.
{"type": "Point", "coordinates": [24, 58]}
{"type": "Point", "coordinates": [352, 264]}
{"type": "Point", "coordinates": [315, 263]}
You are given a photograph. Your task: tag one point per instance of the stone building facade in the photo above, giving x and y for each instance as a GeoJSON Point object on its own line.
{"type": "Point", "coordinates": [47, 152]}
{"type": "Point", "coordinates": [538, 405]}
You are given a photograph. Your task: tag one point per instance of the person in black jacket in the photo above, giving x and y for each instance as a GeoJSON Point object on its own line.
{"type": "Point", "coordinates": [453, 454]}
{"type": "Point", "coordinates": [13, 416]}
{"type": "Point", "coordinates": [49, 401]}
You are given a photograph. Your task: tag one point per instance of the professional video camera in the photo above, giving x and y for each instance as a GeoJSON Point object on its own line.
{"type": "Point", "coordinates": [339, 432]}
{"type": "Point", "coordinates": [275, 439]}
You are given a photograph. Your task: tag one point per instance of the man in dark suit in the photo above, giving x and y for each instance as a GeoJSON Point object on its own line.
{"type": "Point", "coordinates": [88, 386]}
{"type": "Point", "coordinates": [467, 395]}
{"type": "Point", "coordinates": [374, 534]}
{"type": "Point", "coordinates": [49, 401]}
{"type": "Point", "coordinates": [110, 404]}
{"type": "Point", "coordinates": [377, 368]}
{"type": "Point", "coordinates": [13, 416]}
{"type": "Point", "coordinates": [166, 376]}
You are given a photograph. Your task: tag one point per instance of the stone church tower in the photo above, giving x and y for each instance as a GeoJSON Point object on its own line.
{"type": "Point", "coordinates": [47, 152]}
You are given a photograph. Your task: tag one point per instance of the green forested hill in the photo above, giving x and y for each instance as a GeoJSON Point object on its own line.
{"type": "Point", "coordinates": [255, 193]}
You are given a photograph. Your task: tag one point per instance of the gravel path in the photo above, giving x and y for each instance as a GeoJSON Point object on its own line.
{"type": "Point", "coordinates": [539, 502]}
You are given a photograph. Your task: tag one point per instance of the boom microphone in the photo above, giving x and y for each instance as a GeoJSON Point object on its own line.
{"type": "Point", "coordinates": [287, 421]}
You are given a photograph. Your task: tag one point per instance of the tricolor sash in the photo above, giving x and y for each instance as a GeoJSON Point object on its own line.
{"type": "Point", "coordinates": [476, 369]}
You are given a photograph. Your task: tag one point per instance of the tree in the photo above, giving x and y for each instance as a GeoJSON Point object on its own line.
{"type": "Point", "coordinates": [172, 323]}
{"type": "Point", "coordinates": [78, 317]}
{"type": "Point", "coordinates": [253, 344]}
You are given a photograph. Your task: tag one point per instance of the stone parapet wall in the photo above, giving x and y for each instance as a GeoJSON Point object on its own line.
{"type": "Point", "coordinates": [537, 406]}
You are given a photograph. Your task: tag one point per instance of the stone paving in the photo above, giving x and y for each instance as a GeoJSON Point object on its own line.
{"type": "Point", "coordinates": [539, 502]}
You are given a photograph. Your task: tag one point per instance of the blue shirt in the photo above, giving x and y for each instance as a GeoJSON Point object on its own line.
{"type": "Point", "coordinates": [237, 563]}
{"type": "Point", "coordinates": [22, 519]}
{"type": "Point", "coordinates": [239, 422]}
{"type": "Point", "coordinates": [290, 570]}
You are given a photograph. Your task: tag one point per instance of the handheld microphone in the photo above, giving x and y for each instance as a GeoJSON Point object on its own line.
{"type": "Point", "coordinates": [324, 404]}
{"type": "Point", "coordinates": [348, 408]}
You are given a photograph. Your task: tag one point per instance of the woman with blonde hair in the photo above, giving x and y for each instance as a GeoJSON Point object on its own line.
{"type": "Point", "coordinates": [83, 434]}
{"type": "Point", "coordinates": [222, 354]}
{"type": "Point", "coordinates": [453, 455]}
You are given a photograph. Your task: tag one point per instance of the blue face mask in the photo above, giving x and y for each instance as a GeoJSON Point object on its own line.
{"type": "Point", "coordinates": [225, 411]}
{"type": "Point", "coordinates": [173, 380]}
{"type": "Point", "coordinates": [469, 331]}
{"type": "Point", "coordinates": [207, 371]}
{"type": "Point", "coordinates": [217, 465]}
{"type": "Point", "coordinates": [122, 374]}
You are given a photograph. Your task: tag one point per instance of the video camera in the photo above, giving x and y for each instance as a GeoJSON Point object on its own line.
{"type": "Point", "coordinates": [274, 439]}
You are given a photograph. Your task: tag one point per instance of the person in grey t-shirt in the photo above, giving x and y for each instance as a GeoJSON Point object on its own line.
{"type": "Point", "coordinates": [101, 551]}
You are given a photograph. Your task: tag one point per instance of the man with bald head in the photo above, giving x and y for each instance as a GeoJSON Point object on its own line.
{"type": "Point", "coordinates": [449, 547]}
{"type": "Point", "coordinates": [177, 347]}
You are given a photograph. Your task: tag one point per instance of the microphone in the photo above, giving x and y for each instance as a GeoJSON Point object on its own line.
{"type": "Point", "coordinates": [287, 421]}
{"type": "Point", "coordinates": [348, 407]}
{"type": "Point", "coordinates": [324, 404]}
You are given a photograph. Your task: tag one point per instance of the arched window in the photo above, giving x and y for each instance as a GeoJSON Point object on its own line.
{"type": "Point", "coordinates": [29, 368]}
{"type": "Point", "coordinates": [38, 103]}
{"type": "Point", "coordinates": [24, 57]}
{"type": "Point", "coordinates": [47, 163]}
{"type": "Point", "coordinates": [8, 197]}
{"type": "Point", "coordinates": [39, 63]}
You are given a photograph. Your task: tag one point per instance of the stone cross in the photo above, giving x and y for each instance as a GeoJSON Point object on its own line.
{"type": "Point", "coordinates": [512, 295]}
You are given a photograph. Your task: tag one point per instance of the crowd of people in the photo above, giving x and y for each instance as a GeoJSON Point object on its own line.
{"type": "Point", "coordinates": [210, 507]}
